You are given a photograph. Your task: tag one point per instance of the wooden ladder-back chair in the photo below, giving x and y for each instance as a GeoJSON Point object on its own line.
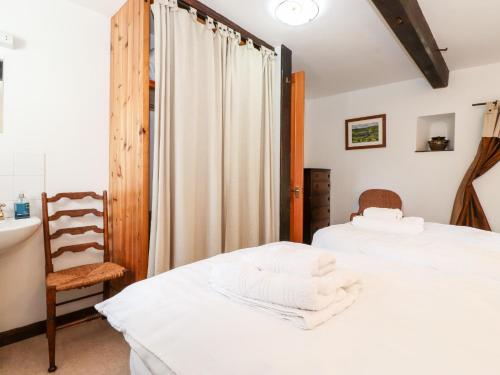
{"type": "Point", "coordinates": [80, 276]}
{"type": "Point", "coordinates": [378, 198]}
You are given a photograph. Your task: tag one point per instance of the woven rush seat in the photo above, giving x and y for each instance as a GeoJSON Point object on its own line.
{"type": "Point", "coordinates": [83, 276]}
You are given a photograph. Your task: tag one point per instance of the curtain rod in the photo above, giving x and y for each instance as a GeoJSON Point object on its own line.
{"type": "Point", "coordinates": [204, 12]}
{"type": "Point", "coordinates": [478, 104]}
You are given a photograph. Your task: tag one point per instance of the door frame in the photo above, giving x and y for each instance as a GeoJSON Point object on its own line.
{"type": "Point", "coordinates": [285, 142]}
{"type": "Point", "coordinates": [297, 158]}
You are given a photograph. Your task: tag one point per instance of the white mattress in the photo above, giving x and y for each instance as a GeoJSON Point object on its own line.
{"type": "Point", "coordinates": [448, 248]}
{"type": "Point", "coordinates": [139, 367]}
{"type": "Point", "coordinates": [148, 364]}
{"type": "Point", "coordinates": [420, 312]}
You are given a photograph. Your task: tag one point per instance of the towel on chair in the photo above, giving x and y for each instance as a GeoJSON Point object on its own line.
{"type": "Point", "coordinates": [292, 258]}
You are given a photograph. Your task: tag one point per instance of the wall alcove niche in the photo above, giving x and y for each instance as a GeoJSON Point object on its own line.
{"type": "Point", "coordinates": [435, 126]}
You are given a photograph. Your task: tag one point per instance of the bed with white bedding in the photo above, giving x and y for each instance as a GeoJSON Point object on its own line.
{"type": "Point", "coordinates": [430, 305]}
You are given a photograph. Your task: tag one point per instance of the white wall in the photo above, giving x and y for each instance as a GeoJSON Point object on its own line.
{"type": "Point", "coordinates": [56, 104]}
{"type": "Point", "coordinates": [427, 182]}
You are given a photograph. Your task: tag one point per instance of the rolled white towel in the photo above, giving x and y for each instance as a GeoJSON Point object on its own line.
{"type": "Point", "coordinates": [292, 258]}
{"type": "Point", "coordinates": [407, 225]}
{"type": "Point", "coordinates": [309, 293]}
{"type": "Point", "coordinates": [383, 213]}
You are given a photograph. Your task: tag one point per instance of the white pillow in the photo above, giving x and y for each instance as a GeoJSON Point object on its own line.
{"type": "Point", "coordinates": [383, 213]}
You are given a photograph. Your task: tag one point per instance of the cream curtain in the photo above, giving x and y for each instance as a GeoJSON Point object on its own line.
{"type": "Point", "coordinates": [212, 188]}
{"type": "Point", "coordinates": [248, 116]}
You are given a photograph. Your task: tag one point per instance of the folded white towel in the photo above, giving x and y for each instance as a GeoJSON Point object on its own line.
{"type": "Point", "coordinates": [292, 258]}
{"type": "Point", "coordinates": [304, 319]}
{"type": "Point", "coordinates": [407, 225]}
{"type": "Point", "coordinates": [310, 293]}
{"type": "Point", "coordinates": [383, 213]}
{"type": "Point", "coordinates": [336, 282]}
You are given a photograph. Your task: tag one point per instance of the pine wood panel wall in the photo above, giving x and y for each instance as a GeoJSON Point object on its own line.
{"type": "Point", "coordinates": [129, 138]}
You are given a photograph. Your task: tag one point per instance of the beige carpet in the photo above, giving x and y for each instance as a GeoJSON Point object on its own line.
{"type": "Point", "coordinates": [89, 348]}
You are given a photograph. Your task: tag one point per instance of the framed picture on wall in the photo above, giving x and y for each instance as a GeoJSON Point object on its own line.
{"type": "Point", "coordinates": [365, 132]}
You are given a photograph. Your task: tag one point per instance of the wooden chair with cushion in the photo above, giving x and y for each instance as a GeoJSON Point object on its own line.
{"type": "Point", "coordinates": [378, 198]}
{"type": "Point", "coordinates": [75, 277]}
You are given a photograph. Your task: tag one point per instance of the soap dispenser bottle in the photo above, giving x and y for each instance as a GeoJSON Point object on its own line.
{"type": "Point", "coordinates": [21, 208]}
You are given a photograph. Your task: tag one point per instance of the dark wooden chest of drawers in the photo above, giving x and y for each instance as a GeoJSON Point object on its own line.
{"type": "Point", "coordinates": [316, 201]}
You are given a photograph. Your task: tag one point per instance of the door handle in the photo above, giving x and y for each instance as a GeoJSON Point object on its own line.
{"type": "Point", "coordinates": [296, 191]}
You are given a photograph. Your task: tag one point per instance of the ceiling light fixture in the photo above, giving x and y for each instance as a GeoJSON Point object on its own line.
{"type": "Point", "coordinates": [297, 12]}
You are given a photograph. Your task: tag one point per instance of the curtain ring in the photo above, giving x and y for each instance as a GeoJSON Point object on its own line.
{"type": "Point", "coordinates": [173, 4]}
{"type": "Point", "coordinates": [267, 53]}
{"type": "Point", "coordinates": [249, 43]}
{"type": "Point", "coordinates": [210, 23]}
{"type": "Point", "coordinates": [194, 13]}
{"type": "Point", "coordinates": [222, 29]}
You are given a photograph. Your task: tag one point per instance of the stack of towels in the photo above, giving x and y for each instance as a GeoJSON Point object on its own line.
{"type": "Point", "coordinates": [388, 220]}
{"type": "Point", "coordinates": [295, 282]}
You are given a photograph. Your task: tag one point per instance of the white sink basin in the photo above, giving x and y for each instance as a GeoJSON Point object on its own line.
{"type": "Point", "coordinates": [14, 231]}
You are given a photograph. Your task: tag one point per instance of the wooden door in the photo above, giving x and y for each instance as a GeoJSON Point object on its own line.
{"type": "Point", "coordinates": [297, 158]}
{"type": "Point", "coordinates": [129, 138]}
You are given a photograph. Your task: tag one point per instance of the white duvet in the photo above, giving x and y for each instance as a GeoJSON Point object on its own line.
{"type": "Point", "coordinates": [430, 305]}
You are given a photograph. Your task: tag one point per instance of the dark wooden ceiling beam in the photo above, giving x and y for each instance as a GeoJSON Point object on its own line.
{"type": "Point", "coordinates": [410, 26]}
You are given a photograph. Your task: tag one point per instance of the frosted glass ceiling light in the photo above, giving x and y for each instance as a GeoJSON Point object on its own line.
{"type": "Point", "coordinates": [297, 12]}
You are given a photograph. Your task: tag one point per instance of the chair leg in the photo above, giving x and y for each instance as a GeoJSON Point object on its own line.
{"type": "Point", "coordinates": [51, 328]}
{"type": "Point", "coordinates": [106, 290]}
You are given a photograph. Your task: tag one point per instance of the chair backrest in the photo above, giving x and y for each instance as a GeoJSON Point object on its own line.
{"type": "Point", "coordinates": [48, 236]}
{"type": "Point", "coordinates": [378, 198]}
